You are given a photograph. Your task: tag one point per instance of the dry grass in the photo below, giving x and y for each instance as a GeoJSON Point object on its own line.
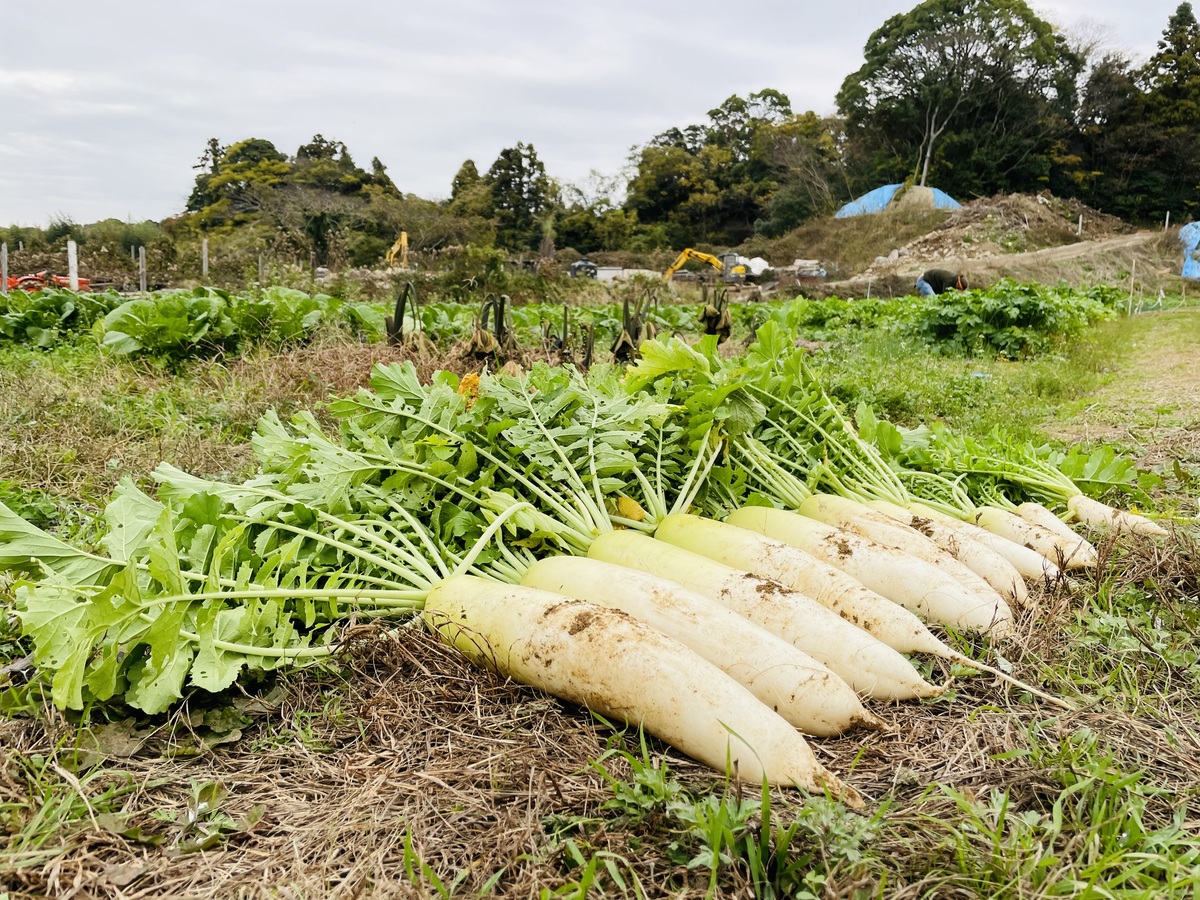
{"type": "Point", "coordinates": [408, 738]}
{"type": "Point", "coordinates": [847, 246]}
{"type": "Point", "coordinates": [74, 429]}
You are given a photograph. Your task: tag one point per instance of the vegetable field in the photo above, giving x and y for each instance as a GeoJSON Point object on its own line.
{"type": "Point", "coordinates": [807, 599]}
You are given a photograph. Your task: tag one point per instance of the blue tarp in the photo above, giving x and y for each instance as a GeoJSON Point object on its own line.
{"type": "Point", "coordinates": [1189, 236]}
{"type": "Point", "coordinates": [877, 200]}
{"type": "Point", "coordinates": [869, 203]}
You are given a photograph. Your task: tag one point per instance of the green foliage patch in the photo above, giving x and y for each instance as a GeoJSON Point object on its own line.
{"type": "Point", "coordinates": [1010, 318]}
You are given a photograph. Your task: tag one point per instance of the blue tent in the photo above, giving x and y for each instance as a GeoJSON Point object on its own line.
{"type": "Point", "coordinates": [877, 201]}
{"type": "Point", "coordinates": [1189, 236]}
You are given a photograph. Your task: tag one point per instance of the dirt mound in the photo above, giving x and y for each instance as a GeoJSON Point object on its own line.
{"type": "Point", "coordinates": [1028, 237]}
{"type": "Point", "coordinates": [1005, 224]}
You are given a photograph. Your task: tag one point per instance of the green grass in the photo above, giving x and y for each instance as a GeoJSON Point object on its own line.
{"type": "Point", "coordinates": [908, 383]}
{"type": "Point", "coordinates": [977, 796]}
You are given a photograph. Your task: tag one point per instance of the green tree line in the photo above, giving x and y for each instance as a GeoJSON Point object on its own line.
{"type": "Point", "coordinates": [975, 97]}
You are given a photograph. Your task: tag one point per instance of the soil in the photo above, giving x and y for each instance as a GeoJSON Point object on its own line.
{"type": "Point", "coordinates": [1029, 238]}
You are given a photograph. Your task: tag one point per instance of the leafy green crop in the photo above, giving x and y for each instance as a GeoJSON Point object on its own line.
{"type": "Point", "coordinates": [178, 324]}
{"type": "Point", "coordinates": [42, 318]}
{"type": "Point", "coordinates": [1010, 318]}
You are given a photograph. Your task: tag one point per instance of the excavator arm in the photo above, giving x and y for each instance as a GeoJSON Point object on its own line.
{"type": "Point", "coordinates": [689, 253]}
{"type": "Point", "coordinates": [400, 247]}
{"type": "Point", "coordinates": [729, 270]}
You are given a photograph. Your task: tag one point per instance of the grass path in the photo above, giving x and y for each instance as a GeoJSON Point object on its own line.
{"type": "Point", "coordinates": [1150, 404]}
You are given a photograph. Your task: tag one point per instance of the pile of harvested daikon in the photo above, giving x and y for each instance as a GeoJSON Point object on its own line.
{"type": "Point", "coordinates": [705, 548]}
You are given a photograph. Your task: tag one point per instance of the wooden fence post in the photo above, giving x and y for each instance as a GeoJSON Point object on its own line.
{"type": "Point", "coordinates": [3, 268]}
{"type": "Point", "coordinates": [204, 259]}
{"type": "Point", "coordinates": [1132, 276]}
{"type": "Point", "coordinates": [72, 266]}
{"type": "Point", "coordinates": [142, 269]}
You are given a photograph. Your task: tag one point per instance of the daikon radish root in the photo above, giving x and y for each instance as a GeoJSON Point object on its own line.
{"type": "Point", "coordinates": [1070, 553]}
{"type": "Point", "coordinates": [873, 525]}
{"type": "Point", "coordinates": [768, 558]}
{"type": "Point", "coordinates": [627, 671]}
{"type": "Point", "coordinates": [984, 561]}
{"type": "Point", "coordinates": [1026, 560]}
{"type": "Point", "coordinates": [788, 680]}
{"type": "Point", "coordinates": [1040, 515]}
{"type": "Point", "coordinates": [1095, 514]}
{"type": "Point", "coordinates": [867, 664]}
{"type": "Point", "coordinates": [904, 579]}
{"type": "Point", "coordinates": [828, 585]}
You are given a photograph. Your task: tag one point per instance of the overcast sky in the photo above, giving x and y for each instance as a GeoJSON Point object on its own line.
{"type": "Point", "coordinates": [106, 106]}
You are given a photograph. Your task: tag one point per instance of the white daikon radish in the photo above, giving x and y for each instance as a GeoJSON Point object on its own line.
{"type": "Point", "coordinates": [866, 663]}
{"type": "Point", "coordinates": [1095, 514]}
{"type": "Point", "coordinates": [873, 525]}
{"type": "Point", "coordinates": [1069, 553]}
{"type": "Point", "coordinates": [1026, 560]}
{"type": "Point", "coordinates": [984, 561]}
{"type": "Point", "coordinates": [786, 679]}
{"type": "Point", "coordinates": [1040, 515]}
{"type": "Point", "coordinates": [828, 585]}
{"type": "Point", "coordinates": [627, 671]}
{"type": "Point", "coordinates": [776, 560]}
{"type": "Point", "coordinates": [911, 582]}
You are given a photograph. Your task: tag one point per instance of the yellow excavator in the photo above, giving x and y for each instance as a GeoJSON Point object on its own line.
{"type": "Point", "coordinates": [729, 270]}
{"type": "Point", "coordinates": [399, 248]}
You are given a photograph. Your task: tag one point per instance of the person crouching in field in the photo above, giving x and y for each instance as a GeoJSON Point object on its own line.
{"type": "Point", "coordinates": [938, 281]}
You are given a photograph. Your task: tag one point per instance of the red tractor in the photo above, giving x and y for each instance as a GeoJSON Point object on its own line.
{"type": "Point", "coordinates": [42, 280]}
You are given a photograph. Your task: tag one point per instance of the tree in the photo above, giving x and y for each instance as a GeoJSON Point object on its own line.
{"type": "Point", "coordinates": [1171, 79]}
{"type": "Point", "coordinates": [1119, 158]}
{"type": "Point", "coordinates": [381, 180]}
{"type": "Point", "coordinates": [470, 195]}
{"type": "Point", "coordinates": [591, 219]}
{"type": "Point", "coordinates": [521, 196]}
{"type": "Point", "coordinates": [238, 178]}
{"type": "Point", "coordinates": [801, 153]}
{"type": "Point", "coordinates": [735, 122]}
{"type": "Point", "coordinates": [465, 178]}
{"type": "Point", "coordinates": [706, 183]}
{"type": "Point", "coordinates": [327, 165]}
{"type": "Point", "coordinates": [988, 71]}
{"type": "Point", "coordinates": [1172, 75]}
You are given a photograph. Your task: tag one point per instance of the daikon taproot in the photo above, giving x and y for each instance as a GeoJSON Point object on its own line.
{"type": "Point", "coordinates": [983, 560]}
{"type": "Point", "coordinates": [625, 670]}
{"type": "Point", "coordinates": [792, 567]}
{"type": "Point", "coordinates": [867, 664]}
{"type": "Point", "coordinates": [1099, 515]}
{"type": "Point", "coordinates": [1041, 515]}
{"type": "Point", "coordinates": [769, 558]}
{"type": "Point", "coordinates": [911, 582]}
{"type": "Point", "coordinates": [1070, 553]}
{"type": "Point", "coordinates": [788, 680]}
{"type": "Point", "coordinates": [1025, 560]}
{"type": "Point", "coordinates": [842, 512]}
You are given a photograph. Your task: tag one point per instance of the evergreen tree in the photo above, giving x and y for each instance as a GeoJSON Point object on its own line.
{"type": "Point", "coordinates": [521, 196]}
{"type": "Point", "coordinates": [1172, 75]}
{"type": "Point", "coordinates": [1172, 81]}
